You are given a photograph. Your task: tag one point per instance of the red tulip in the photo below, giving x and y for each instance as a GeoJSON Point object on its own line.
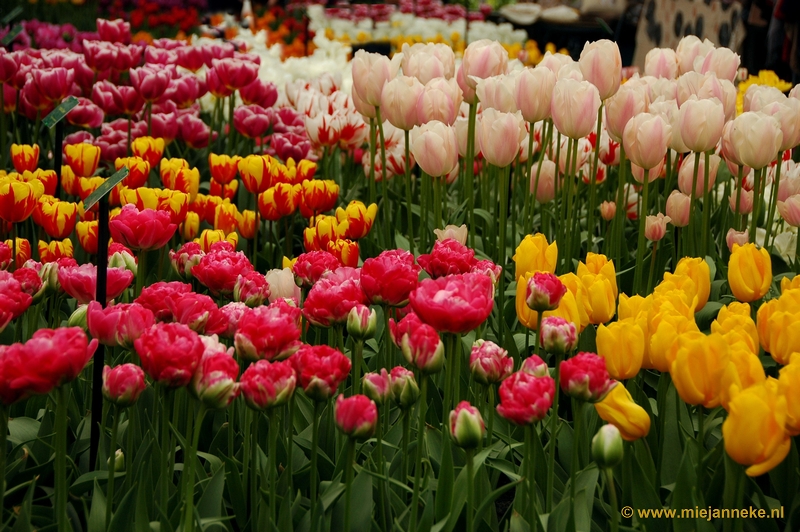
{"type": "Point", "coordinates": [185, 259]}
{"type": "Point", "coordinates": [419, 343]}
{"type": "Point", "coordinates": [150, 82]}
{"type": "Point", "coordinates": [54, 84]}
{"type": "Point", "coordinates": [320, 369]}
{"type": "Point", "coordinates": [13, 365]}
{"type": "Point", "coordinates": [219, 270]}
{"type": "Point", "coordinates": [356, 416]}
{"type": "Point", "coordinates": [263, 93]}
{"type": "Point", "coordinates": [56, 356]}
{"type": "Point", "coordinates": [252, 121]}
{"type": "Point", "coordinates": [489, 363]}
{"type": "Point", "coordinates": [164, 125]}
{"type": "Point", "coordinates": [251, 289]}
{"type": "Point", "coordinates": [13, 300]}
{"type": "Point", "coordinates": [5, 256]}
{"type": "Point", "coordinates": [128, 101]}
{"type": "Point", "coordinates": [99, 55]}
{"type": "Point", "coordinates": [235, 73]}
{"type": "Point", "coordinates": [271, 333]}
{"type": "Point", "coordinates": [290, 146]}
{"type": "Point", "coordinates": [123, 384]}
{"type": "Point", "coordinates": [215, 85]}
{"type": "Point", "coordinates": [128, 57]}
{"type": "Point", "coordinates": [80, 282]}
{"type": "Point", "coordinates": [142, 230]}
{"type": "Point", "coordinates": [183, 91]}
{"type": "Point", "coordinates": [267, 384]}
{"type": "Point", "coordinates": [190, 57]}
{"type": "Point", "coordinates": [197, 311]}
{"type": "Point", "coordinates": [193, 131]}
{"type": "Point", "coordinates": [585, 377]}
{"type": "Point", "coordinates": [233, 312]}
{"type": "Point", "coordinates": [534, 365]}
{"type": "Point", "coordinates": [86, 114]}
{"type": "Point", "coordinates": [214, 381]}
{"type": "Point", "coordinates": [310, 267]}
{"type": "Point", "coordinates": [466, 426]}
{"type": "Point", "coordinates": [448, 257]}
{"type": "Point", "coordinates": [389, 278]}
{"type": "Point", "coordinates": [118, 325]}
{"type": "Point", "coordinates": [29, 281]}
{"type": "Point", "coordinates": [114, 30]}
{"type": "Point", "coordinates": [217, 51]}
{"type": "Point", "coordinates": [170, 353]}
{"type": "Point", "coordinates": [525, 399]}
{"type": "Point", "coordinates": [456, 303]}
{"type": "Point", "coordinates": [155, 296]}
{"type": "Point", "coordinates": [544, 292]}
{"type": "Point", "coordinates": [329, 301]}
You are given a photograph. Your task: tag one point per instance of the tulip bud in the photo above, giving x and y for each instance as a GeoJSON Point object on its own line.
{"type": "Point", "coordinates": [656, 227]}
{"type": "Point", "coordinates": [607, 210]}
{"type": "Point", "coordinates": [377, 386]}
{"type": "Point", "coordinates": [214, 382]}
{"type": "Point", "coordinates": [78, 318]}
{"type": "Point", "coordinates": [489, 363]}
{"type": "Point", "coordinates": [545, 291]}
{"type": "Point", "coordinates": [123, 384]}
{"type": "Point", "coordinates": [123, 259]}
{"type": "Point", "coordinates": [118, 463]}
{"type": "Point", "coordinates": [361, 322]}
{"type": "Point", "coordinates": [678, 207]}
{"type": "Point", "coordinates": [356, 416]}
{"type": "Point", "coordinates": [558, 335]}
{"type": "Point", "coordinates": [735, 237]}
{"type": "Point", "coordinates": [466, 426]}
{"type": "Point", "coordinates": [534, 365]}
{"type": "Point", "coordinates": [607, 447]}
{"type": "Point", "coordinates": [405, 390]}
{"type": "Point", "coordinates": [251, 289]}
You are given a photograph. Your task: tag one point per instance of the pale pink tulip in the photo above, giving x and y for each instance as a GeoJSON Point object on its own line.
{"type": "Point", "coordinates": [533, 92]}
{"type": "Point", "coordinates": [499, 135]}
{"type": "Point", "coordinates": [790, 210]}
{"type": "Point", "coordinates": [497, 92]}
{"type": "Point", "coordinates": [483, 59]}
{"type": "Point", "coordinates": [399, 101]}
{"type": "Point", "coordinates": [661, 63]}
{"type": "Point", "coordinates": [371, 71]}
{"type": "Point", "coordinates": [608, 209]}
{"type": "Point", "coordinates": [428, 61]}
{"type": "Point", "coordinates": [601, 65]}
{"type": "Point", "coordinates": [645, 140]}
{"type": "Point", "coordinates": [664, 88]}
{"type": "Point", "coordinates": [655, 227]}
{"type": "Point", "coordinates": [686, 174]}
{"type": "Point", "coordinates": [545, 191]}
{"type": "Point", "coordinates": [668, 110]}
{"type": "Point", "coordinates": [584, 151]}
{"type": "Point", "coordinates": [787, 113]}
{"type": "Point", "coordinates": [790, 181]}
{"type": "Point", "coordinates": [440, 100]}
{"type": "Point", "coordinates": [574, 107]}
{"type": "Point", "coordinates": [723, 62]}
{"type": "Point", "coordinates": [554, 62]}
{"type": "Point", "coordinates": [366, 110]}
{"type": "Point", "coordinates": [570, 71]}
{"type": "Point", "coordinates": [757, 96]}
{"type": "Point", "coordinates": [756, 139]}
{"type": "Point", "coordinates": [736, 237]}
{"type": "Point", "coordinates": [745, 200]}
{"type": "Point", "coordinates": [467, 92]}
{"type": "Point", "coordinates": [688, 85]}
{"type": "Point", "coordinates": [701, 123]}
{"type": "Point", "coordinates": [678, 208]}
{"type": "Point", "coordinates": [637, 172]}
{"type": "Point", "coordinates": [462, 130]}
{"type": "Point", "coordinates": [795, 92]}
{"type": "Point", "coordinates": [458, 233]}
{"type": "Point", "coordinates": [435, 148]}
{"type": "Point", "coordinates": [690, 48]}
{"type": "Point", "coordinates": [630, 100]}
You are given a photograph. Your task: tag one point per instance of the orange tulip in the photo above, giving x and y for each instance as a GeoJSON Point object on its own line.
{"type": "Point", "coordinates": [87, 236]}
{"type": "Point", "coordinates": [345, 250]}
{"type": "Point", "coordinates": [55, 250]}
{"type": "Point", "coordinates": [278, 201]}
{"type": "Point", "coordinates": [223, 167]}
{"type": "Point", "coordinates": [139, 171]}
{"type": "Point", "coordinates": [83, 158]}
{"type": "Point", "coordinates": [25, 157]}
{"type": "Point", "coordinates": [149, 149]}
{"type": "Point", "coordinates": [57, 218]}
{"type": "Point", "coordinates": [318, 196]}
{"type": "Point", "coordinates": [227, 191]}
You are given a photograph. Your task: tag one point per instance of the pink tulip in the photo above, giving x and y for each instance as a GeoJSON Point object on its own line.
{"type": "Point", "coordinates": [193, 131]}
{"type": "Point", "coordinates": [757, 96]}
{"type": "Point", "coordinates": [661, 63]}
{"type": "Point", "coordinates": [399, 101]}
{"type": "Point", "coordinates": [267, 384]}
{"type": "Point", "coordinates": [601, 65]}
{"type": "Point", "coordinates": [86, 114]}
{"type": "Point", "coordinates": [701, 123]}
{"type": "Point", "coordinates": [499, 135]}
{"type": "Point", "coordinates": [127, 57]}
{"type": "Point", "coordinates": [533, 92]}
{"type": "Point", "coordinates": [585, 377]}
{"type": "Point", "coordinates": [686, 174]}
{"type": "Point", "coordinates": [428, 61]}
{"type": "Point", "coordinates": [574, 107]}
{"type": "Point", "coordinates": [142, 230]}
{"type": "Point", "coordinates": [787, 112]}
{"type": "Point", "coordinates": [736, 237]}
{"type": "Point", "coordinates": [638, 173]}
{"type": "Point", "coordinates": [214, 381]}
{"type": "Point", "coordinates": [118, 325]}
{"type": "Point", "coordinates": [497, 92]}
{"type": "Point", "coordinates": [678, 208]}
{"type": "Point", "coordinates": [220, 269]}
{"type": "Point", "coordinates": [199, 312]}
{"type": "Point", "coordinates": [466, 91]}
{"type": "Point", "coordinates": [377, 386]}
{"type": "Point", "coordinates": [546, 189]}
{"type": "Point", "coordinates": [54, 84]}
{"type": "Point", "coordinates": [544, 292]}
{"type": "Point", "coordinates": [419, 343]}
{"type": "Point", "coordinates": [525, 398]}
{"type": "Point", "coordinates": [435, 148]}
{"type": "Point", "coordinates": [723, 62]}
{"type": "Point", "coordinates": [745, 200]}
{"type": "Point", "coordinates": [790, 182]}
{"type": "Point", "coordinates": [440, 100]}
{"type": "Point", "coordinates": [258, 92]}
{"type": "Point", "coordinates": [123, 384]}
{"type": "Point", "coordinates": [690, 48]}
{"type": "Point", "coordinates": [668, 110]}
{"type": "Point", "coordinates": [483, 59]}
{"type": "Point", "coordinates": [128, 100]}
{"type": "Point", "coordinates": [790, 210]}
{"type": "Point", "coordinates": [356, 416]}
{"type": "Point", "coordinates": [656, 227]}
{"type": "Point", "coordinates": [688, 85]}
{"type": "Point", "coordinates": [114, 30]}
{"type": "Point", "coordinates": [366, 110]}
{"type": "Point", "coordinates": [252, 121]}
{"type": "Point", "coordinates": [607, 210]}
{"type": "Point", "coordinates": [645, 140]}
{"type": "Point", "coordinates": [454, 303]}
{"type": "Point", "coordinates": [150, 82]}
{"type": "Point", "coordinates": [489, 363]}
{"type": "Point", "coordinates": [630, 100]}
{"type": "Point", "coordinates": [466, 426]}
{"type": "Point", "coordinates": [371, 71]}
{"type": "Point", "coordinates": [80, 282]}
{"type": "Point", "coordinates": [756, 139]}
{"type": "Point", "coordinates": [235, 73]}
{"type": "Point", "coordinates": [555, 62]}
{"type": "Point", "coordinates": [462, 129]}
{"type": "Point", "coordinates": [535, 366]}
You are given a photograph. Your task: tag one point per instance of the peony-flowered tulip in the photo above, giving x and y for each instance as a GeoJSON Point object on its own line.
{"type": "Point", "coordinates": [377, 386]}
{"type": "Point", "coordinates": [362, 322]}
{"type": "Point", "coordinates": [59, 356]}
{"type": "Point", "coordinates": [321, 369]}
{"type": "Point", "coordinates": [142, 230]}
{"type": "Point", "coordinates": [219, 270]}
{"type": "Point", "coordinates": [214, 382]}
{"type": "Point", "coordinates": [390, 277]}
{"type": "Point", "coordinates": [749, 272]}
{"type": "Point", "coordinates": [251, 289]}
{"type": "Point", "coordinates": [419, 343]}
{"type": "Point", "coordinates": [356, 416]}
{"type": "Point", "coordinates": [80, 282]}
{"type": "Point", "coordinates": [489, 363]}
{"type": "Point", "coordinates": [170, 353]}
{"type": "Point", "coordinates": [404, 388]}
{"type": "Point", "coordinates": [454, 303]}
{"type": "Point", "coordinates": [118, 325]}
{"type": "Point", "coordinates": [123, 384]}
{"type": "Point", "coordinates": [585, 377]}
{"type": "Point", "coordinates": [330, 299]}
{"type": "Point", "coordinates": [267, 384]}
{"type": "Point", "coordinates": [525, 399]}
{"type": "Point", "coordinates": [466, 426]}
{"type": "Point", "coordinates": [544, 292]}
{"type": "Point", "coordinates": [619, 409]}
{"type": "Point", "coordinates": [558, 335]}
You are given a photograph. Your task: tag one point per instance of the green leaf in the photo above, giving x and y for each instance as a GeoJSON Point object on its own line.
{"type": "Point", "coordinates": [707, 315]}
{"type": "Point", "coordinates": [22, 430]}
{"type": "Point", "coordinates": [97, 514]}
{"type": "Point", "coordinates": [444, 489]}
{"type": "Point", "coordinates": [362, 503]}
{"type": "Point", "coordinates": [585, 486]}
{"type": "Point", "coordinates": [23, 523]}
{"type": "Point", "coordinates": [123, 518]}
{"type": "Point", "coordinates": [210, 503]}
{"type": "Point", "coordinates": [645, 497]}
{"type": "Point", "coordinates": [493, 496]}
{"type": "Point", "coordinates": [142, 512]}
{"type": "Point", "coordinates": [236, 495]}
{"type": "Point", "coordinates": [85, 481]}
{"type": "Point", "coordinates": [559, 517]}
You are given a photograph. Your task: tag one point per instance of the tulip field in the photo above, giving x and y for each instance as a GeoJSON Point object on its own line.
{"type": "Point", "coordinates": [429, 292]}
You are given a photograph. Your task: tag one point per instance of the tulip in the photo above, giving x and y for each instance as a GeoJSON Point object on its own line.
{"type": "Point", "coordinates": [601, 65]}
{"type": "Point", "coordinates": [645, 139]}
{"type": "Point", "coordinates": [743, 370]}
{"type": "Point", "coordinates": [533, 92]}
{"type": "Point", "coordinates": [377, 386]}
{"type": "Point", "coordinates": [25, 157]}
{"type": "Point", "coordinates": [756, 138]}
{"type": "Point", "coordinates": [701, 124]}
{"type": "Point", "coordinates": [312, 266]}
{"type": "Point", "coordinates": [359, 218]}
{"type": "Point", "coordinates": [787, 387]}
{"type": "Point", "coordinates": [630, 100]}
{"type": "Point", "coordinates": [749, 272]}
{"type": "Point", "coordinates": [489, 363]}
{"type": "Point", "coordinates": [318, 196]}
{"type": "Point", "coordinates": [251, 289]}
{"type": "Point", "coordinates": [170, 353]}
{"type": "Point", "coordinates": [621, 344]}
{"type": "Point", "coordinates": [466, 426]}
{"type": "Point", "coordinates": [390, 277]}
{"type": "Point", "coordinates": [544, 292]}
{"type": "Point", "coordinates": [79, 282]}
{"type": "Point", "coordinates": [783, 342]}
{"type": "Point", "coordinates": [607, 449]}
{"type": "Point", "coordinates": [142, 230]}
{"type": "Point", "coordinates": [428, 61]}
{"type": "Point", "coordinates": [148, 148]}
{"type": "Point", "coordinates": [455, 303]}
{"type": "Point", "coordinates": [619, 409]}
{"type": "Point", "coordinates": [434, 147]}
{"type": "Point", "coordinates": [268, 384]}
{"type": "Point", "coordinates": [440, 100]}
{"type": "Point", "coordinates": [585, 377]}
{"type": "Point", "coordinates": [371, 72]}
{"type": "Point", "coordinates": [399, 101]}
{"type": "Point", "coordinates": [118, 325]}
{"type": "Point", "coordinates": [330, 300]}
{"type": "Point", "coordinates": [185, 258]}
{"type": "Point", "coordinates": [696, 362]}
{"type": "Point", "coordinates": [734, 238]}
{"type": "Point", "coordinates": [499, 135]}
{"type": "Point", "coordinates": [545, 192]}
{"type": "Point", "coordinates": [483, 59]}
{"type": "Point", "coordinates": [320, 370]}
{"type": "Point", "coordinates": [197, 311]}
{"type": "Point", "coordinates": [150, 82]}
{"type": "Point", "coordinates": [574, 107]}
{"type": "Point", "coordinates": [686, 175]}
{"type": "Point", "coordinates": [535, 254]}
{"type": "Point", "coordinates": [57, 218]}
{"type": "Point", "coordinates": [790, 210]}
{"type": "Point", "coordinates": [419, 343]}
{"type": "Point", "coordinates": [447, 257]}
{"type": "Point", "coordinates": [661, 63]}
{"type": "Point", "coordinates": [678, 208]}
{"type": "Point", "coordinates": [279, 201]}
{"type": "Point", "coordinates": [219, 270]}
{"type": "Point", "coordinates": [361, 322]}
{"type": "Point", "coordinates": [82, 158]}
{"type": "Point", "coordinates": [600, 298]}
{"type": "Point", "coordinates": [123, 384]}
{"type": "Point", "coordinates": [656, 227]}
{"type": "Point", "coordinates": [754, 431]}
{"type": "Point", "coordinates": [223, 167]}
{"type": "Point", "coordinates": [404, 388]}
{"type": "Point", "coordinates": [698, 270]}
{"type": "Point", "coordinates": [525, 399]}
{"type": "Point", "coordinates": [356, 416]}
{"type": "Point", "coordinates": [345, 250]}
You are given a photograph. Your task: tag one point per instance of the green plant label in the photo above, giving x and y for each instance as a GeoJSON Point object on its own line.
{"type": "Point", "coordinates": [105, 188]}
{"type": "Point", "coordinates": [60, 112]}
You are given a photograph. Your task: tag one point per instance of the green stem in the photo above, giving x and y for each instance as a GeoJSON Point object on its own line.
{"type": "Point", "coordinates": [693, 203]}
{"type": "Point", "coordinates": [501, 245]}
{"type": "Point", "coordinates": [637, 281]}
{"type": "Point", "coordinates": [620, 213]}
{"type": "Point", "coordinates": [737, 215]}
{"type": "Point", "coordinates": [404, 446]}
{"type": "Point", "coordinates": [612, 494]}
{"type": "Point", "coordinates": [3, 152]}
{"type": "Point", "coordinates": [314, 451]}
{"type": "Point", "coordinates": [273, 467]}
{"type": "Point", "coordinates": [357, 354]}
{"type": "Point", "coordinates": [141, 272]}
{"type": "Point", "coordinates": [470, 171]}
{"type": "Point", "coordinates": [373, 194]}
{"type": "Point", "coordinates": [490, 415]}
{"type": "Point", "coordinates": [14, 230]}
{"type": "Point", "coordinates": [231, 129]}
{"type": "Point", "coordinates": [574, 465]}
{"type": "Point", "coordinates": [149, 111]}
{"type": "Point", "coordinates": [530, 434]}
{"type": "Point", "coordinates": [551, 457]}
{"type": "Point", "coordinates": [701, 434]}
{"type": "Point", "coordinates": [593, 181]}
{"type": "Point", "coordinates": [191, 458]}
{"type": "Point", "coordinates": [652, 267]}
{"type": "Point", "coordinates": [759, 177]}
{"type": "Point", "coordinates": [437, 201]}
{"type": "Point", "coordinates": [738, 522]}
{"type": "Point", "coordinates": [348, 481]}
{"type": "Point", "coordinates": [409, 217]}
{"type": "Point", "coordinates": [470, 490]}
{"type": "Point", "coordinates": [423, 398]}
{"type": "Point", "coordinates": [165, 452]}
{"type": "Point", "coordinates": [61, 488]}
{"type": "Point", "coordinates": [290, 442]}
{"type": "Point", "coordinates": [255, 235]}
{"type": "Point", "coordinates": [3, 438]}
{"type": "Point", "coordinates": [706, 204]}
{"type": "Point", "coordinates": [37, 127]}
{"type": "Point", "coordinates": [773, 201]}
{"type": "Point", "coordinates": [384, 185]}
{"type": "Point", "coordinates": [381, 467]}
{"type": "Point", "coordinates": [538, 332]}
{"type": "Point", "coordinates": [112, 470]}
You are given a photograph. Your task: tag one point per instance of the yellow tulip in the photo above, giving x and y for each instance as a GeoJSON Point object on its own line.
{"type": "Point", "coordinates": [790, 284]}
{"type": "Point", "coordinates": [749, 272]}
{"type": "Point", "coordinates": [289, 263]}
{"type": "Point", "coordinates": [599, 265]}
{"type": "Point", "coordinates": [744, 369]}
{"type": "Point", "coordinates": [697, 269]}
{"type": "Point", "coordinates": [567, 307]}
{"type": "Point", "coordinates": [211, 236]}
{"type": "Point", "coordinates": [247, 224]}
{"type": "Point", "coordinates": [621, 344]}
{"type": "Point", "coordinates": [619, 409]}
{"type": "Point", "coordinates": [601, 303]}
{"type": "Point", "coordinates": [226, 217]}
{"type": "Point", "coordinates": [191, 226]}
{"type": "Point", "coordinates": [754, 430]}
{"type": "Point", "coordinates": [734, 325]}
{"type": "Point", "coordinates": [783, 329]}
{"type": "Point", "coordinates": [696, 365]}
{"type": "Point", "coordinates": [574, 285]}
{"type": "Point", "coordinates": [789, 387]}
{"type": "Point", "coordinates": [664, 330]}
{"type": "Point", "coordinates": [632, 306]}
{"type": "Point", "coordinates": [680, 284]}
{"type": "Point", "coordinates": [535, 254]}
